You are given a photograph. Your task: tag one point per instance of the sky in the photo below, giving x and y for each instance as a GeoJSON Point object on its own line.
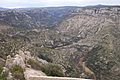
{"type": "Point", "coordinates": [54, 3]}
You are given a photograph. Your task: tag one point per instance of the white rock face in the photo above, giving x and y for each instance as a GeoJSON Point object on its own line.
{"type": "Point", "coordinates": [24, 54]}
{"type": "Point", "coordinates": [21, 59]}
{"type": "Point", "coordinates": [27, 55]}
{"type": "Point", "coordinates": [29, 73]}
{"type": "Point", "coordinates": [18, 60]}
{"type": "Point", "coordinates": [42, 61]}
{"type": "Point", "coordinates": [9, 62]}
{"type": "Point", "coordinates": [21, 53]}
{"type": "Point", "coordinates": [10, 77]}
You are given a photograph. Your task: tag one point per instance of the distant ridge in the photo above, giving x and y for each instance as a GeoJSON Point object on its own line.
{"type": "Point", "coordinates": [89, 6]}
{"type": "Point", "coordinates": [102, 6]}
{"type": "Point", "coordinates": [2, 9]}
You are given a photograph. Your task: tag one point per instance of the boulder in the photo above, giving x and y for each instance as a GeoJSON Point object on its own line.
{"type": "Point", "coordinates": [29, 73]}
{"type": "Point", "coordinates": [9, 62]}
{"type": "Point", "coordinates": [18, 60]}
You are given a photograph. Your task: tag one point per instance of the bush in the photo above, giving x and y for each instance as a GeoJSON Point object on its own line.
{"type": "Point", "coordinates": [35, 64]}
{"type": "Point", "coordinates": [53, 70]}
{"type": "Point", "coordinates": [17, 72]}
{"type": "Point", "coordinates": [1, 69]}
{"type": "Point", "coordinates": [49, 69]}
{"type": "Point", "coordinates": [2, 77]}
{"type": "Point", "coordinates": [45, 57]}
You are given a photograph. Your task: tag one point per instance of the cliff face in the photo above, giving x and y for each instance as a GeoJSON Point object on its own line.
{"type": "Point", "coordinates": [84, 42]}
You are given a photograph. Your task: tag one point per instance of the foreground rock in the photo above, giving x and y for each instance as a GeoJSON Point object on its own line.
{"type": "Point", "coordinates": [55, 78]}
{"type": "Point", "coordinates": [32, 73]}
{"type": "Point", "coordinates": [17, 60]}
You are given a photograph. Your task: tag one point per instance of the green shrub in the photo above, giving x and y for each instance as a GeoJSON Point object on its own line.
{"type": "Point", "coordinates": [35, 64]}
{"type": "Point", "coordinates": [1, 69]}
{"type": "Point", "coordinates": [45, 57]}
{"type": "Point", "coordinates": [49, 69]}
{"type": "Point", "coordinates": [2, 77]}
{"type": "Point", "coordinates": [53, 70]}
{"type": "Point", "coordinates": [17, 72]}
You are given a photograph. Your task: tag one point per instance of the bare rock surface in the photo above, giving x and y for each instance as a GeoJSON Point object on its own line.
{"type": "Point", "coordinates": [16, 60]}
{"type": "Point", "coordinates": [29, 73]}
{"type": "Point", "coordinates": [56, 78]}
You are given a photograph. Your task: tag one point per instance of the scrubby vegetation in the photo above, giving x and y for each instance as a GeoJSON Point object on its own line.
{"type": "Point", "coordinates": [35, 64]}
{"type": "Point", "coordinates": [43, 53]}
{"type": "Point", "coordinates": [1, 69]}
{"type": "Point", "coordinates": [49, 69]}
{"type": "Point", "coordinates": [2, 76]}
{"type": "Point", "coordinates": [101, 60]}
{"type": "Point", "coordinates": [17, 72]}
{"type": "Point", "coordinates": [53, 70]}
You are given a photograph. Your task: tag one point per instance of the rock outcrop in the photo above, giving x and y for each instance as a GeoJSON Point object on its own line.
{"type": "Point", "coordinates": [29, 73]}
{"type": "Point", "coordinates": [17, 60]}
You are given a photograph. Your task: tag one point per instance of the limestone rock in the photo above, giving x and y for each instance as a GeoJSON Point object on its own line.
{"type": "Point", "coordinates": [17, 60]}
{"type": "Point", "coordinates": [9, 62]}
{"type": "Point", "coordinates": [29, 73]}
{"type": "Point", "coordinates": [25, 54]}
{"type": "Point", "coordinates": [21, 53]}
{"type": "Point", "coordinates": [42, 61]}
{"type": "Point", "coordinates": [10, 77]}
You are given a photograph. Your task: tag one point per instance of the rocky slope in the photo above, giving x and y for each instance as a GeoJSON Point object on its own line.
{"type": "Point", "coordinates": [95, 30]}
{"type": "Point", "coordinates": [35, 17]}
{"type": "Point", "coordinates": [84, 42]}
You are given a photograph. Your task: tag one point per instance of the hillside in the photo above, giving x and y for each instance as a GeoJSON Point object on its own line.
{"type": "Point", "coordinates": [35, 17]}
{"type": "Point", "coordinates": [80, 42]}
{"type": "Point", "coordinates": [96, 31]}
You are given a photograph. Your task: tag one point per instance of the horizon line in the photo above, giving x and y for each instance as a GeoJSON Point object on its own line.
{"type": "Point", "coordinates": [60, 6]}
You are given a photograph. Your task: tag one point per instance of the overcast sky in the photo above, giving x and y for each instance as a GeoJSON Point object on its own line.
{"type": "Point", "coordinates": [48, 3]}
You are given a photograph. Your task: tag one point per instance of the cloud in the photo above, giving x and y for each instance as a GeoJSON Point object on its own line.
{"type": "Point", "coordinates": [39, 3]}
